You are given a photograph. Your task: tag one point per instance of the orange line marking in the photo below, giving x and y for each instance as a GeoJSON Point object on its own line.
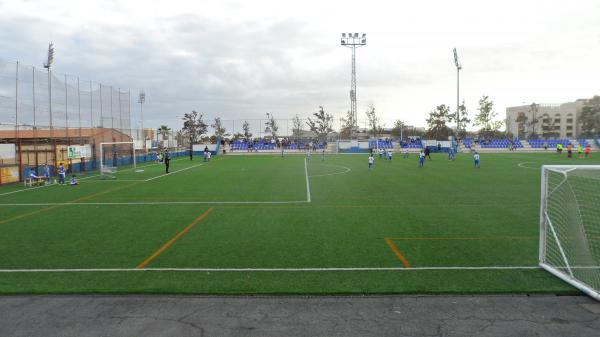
{"type": "Point", "coordinates": [469, 238]}
{"type": "Point", "coordinates": [173, 239]}
{"type": "Point", "coordinates": [395, 250]}
{"type": "Point", "coordinates": [56, 206]}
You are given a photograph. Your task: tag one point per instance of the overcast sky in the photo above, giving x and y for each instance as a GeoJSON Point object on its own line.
{"type": "Point", "coordinates": [242, 59]}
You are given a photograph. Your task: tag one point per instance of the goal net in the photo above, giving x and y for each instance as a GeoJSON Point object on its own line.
{"type": "Point", "coordinates": [570, 225]}
{"type": "Point", "coordinates": [114, 155]}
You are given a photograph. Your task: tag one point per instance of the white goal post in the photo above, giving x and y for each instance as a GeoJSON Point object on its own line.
{"type": "Point", "coordinates": [570, 225]}
{"type": "Point", "coordinates": [116, 153]}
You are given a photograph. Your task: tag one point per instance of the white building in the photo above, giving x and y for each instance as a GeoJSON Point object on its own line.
{"type": "Point", "coordinates": [554, 120]}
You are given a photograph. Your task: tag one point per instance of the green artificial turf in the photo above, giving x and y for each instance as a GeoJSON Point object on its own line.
{"type": "Point", "coordinates": [257, 215]}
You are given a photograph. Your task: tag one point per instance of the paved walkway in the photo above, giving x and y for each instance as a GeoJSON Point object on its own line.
{"type": "Point", "coordinates": [81, 316]}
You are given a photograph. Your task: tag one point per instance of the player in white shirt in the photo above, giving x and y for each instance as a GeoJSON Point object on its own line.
{"type": "Point", "coordinates": [476, 159]}
{"type": "Point", "coordinates": [370, 161]}
{"type": "Point", "coordinates": [380, 153]}
{"type": "Point", "coordinates": [208, 154]}
{"type": "Point", "coordinates": [421, 159]}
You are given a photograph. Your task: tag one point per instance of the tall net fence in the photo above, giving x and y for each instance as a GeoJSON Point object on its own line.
{"type": "Point", "coordinates": [570, 219]}
{"type": "Point", "coordinates": [43, 113]}
{"type": "Point", "coordinates": [32, 98]}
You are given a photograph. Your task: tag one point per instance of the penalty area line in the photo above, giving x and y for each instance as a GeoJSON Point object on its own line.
{"type": "Point", "coordinates": [334, 269]}
{"type": "Point", "coordinates": [171, 173]}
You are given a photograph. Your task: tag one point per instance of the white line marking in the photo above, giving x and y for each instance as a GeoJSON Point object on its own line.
{"type": "Point", "coordinates": [522, 165]}
{"type": "Point", "coordinates": [47, 185]}
{"type": "Point", "coordinates": [307, 183]}
{"type": "Point", "coordinates": [155, 203]}
{"type": "Point", "coordinates": [171, 173]}
{"type": "Point", "coordinates": [335, 269]}
{"type": "Point", "coordinates": [347, 169]}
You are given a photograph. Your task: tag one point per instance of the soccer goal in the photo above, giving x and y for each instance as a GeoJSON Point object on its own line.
{"type": "Point", "coordinates": [570, 225]}
{"type": "Point", "coordinates": [115, 154]}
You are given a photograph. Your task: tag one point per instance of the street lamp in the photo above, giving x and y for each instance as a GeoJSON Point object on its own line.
{"type": "Point", "coordinates": [48, 65]}
{"type": "Point", "coordinates": [142, 100]}
{"type": "Point", "coordinates": [353, 41]}
{"type": "Point", "coordinates": [458, 68]}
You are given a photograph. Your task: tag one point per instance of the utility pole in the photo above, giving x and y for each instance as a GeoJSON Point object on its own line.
{"type": "Point", "coordinates": [353, 41]}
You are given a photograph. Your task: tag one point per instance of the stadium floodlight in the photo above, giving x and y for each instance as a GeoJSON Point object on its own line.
{"type": "Point", "coordinates": [458, 68]}
{"type": "Point", "coordinates": [142, 100]}
{"type": "Point", "coordinates": [570, 225]}
{"type": "Point", "coordinates": [352, 41]}
{"type": "Point", "coordinates": [48, 65]}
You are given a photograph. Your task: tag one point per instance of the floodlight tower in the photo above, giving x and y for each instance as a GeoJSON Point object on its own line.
{"type": "Point", "coordinates": [142, 100]}
{"type": "Point", "coordinates": [48, 65]}
{"type": "Point", "coordinates": [458, 68]}
{"type": "Point", "coordinates": [353, 41]}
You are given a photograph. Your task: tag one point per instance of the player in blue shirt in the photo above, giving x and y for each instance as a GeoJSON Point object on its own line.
{"type": "Point", "coordinates": [47, 173]}
{"type": "Point", "coordinates": [61, 174]}
{"type": "Point", "coordinates": [73, 181]}
{"type": "Point", "coordinates": [476, 159]}
{"type": "Point", "coordinates": [421, 159]}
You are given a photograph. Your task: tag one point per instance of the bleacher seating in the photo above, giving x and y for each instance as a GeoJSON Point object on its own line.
{"type": "Point", "coordinates": [539, 143]}
{"type": "Point", "coordinates": [583, 142]}
{"type": "Point", "coordinates": [467, 142]}
{"type": "Point", "coordinates": [381, 144]}
{"type": "Point", "coordinates": [412, 144]}
{"type": "Point", "coordinates": [499, 143]}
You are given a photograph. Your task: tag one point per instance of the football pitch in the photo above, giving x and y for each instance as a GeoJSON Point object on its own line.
{"type": "Point", "coordinates": [262, 224]}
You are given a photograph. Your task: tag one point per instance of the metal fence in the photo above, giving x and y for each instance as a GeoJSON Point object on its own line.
{"type": "Point", "coordinates": [32, 98]}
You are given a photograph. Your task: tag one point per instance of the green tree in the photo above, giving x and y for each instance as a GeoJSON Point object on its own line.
{"type": "Point", "coordinates": [436, 123]}
{"type": "Point", "coordinates": [247, 133]}
{"type": "Point", "coordinates": [271, 125]}
{"type": "Point", "coordinates": [374, 121]}
{"type": "Point", "coordinates": [193, 126]}
{"type": "Point", "coordinates": [485, 118]}
{"type": "Point", "coordinates": [590, 116]}
{"type": "Point", "coordinates": [321, 125]}
{"type": "Point", "coordinates": [398, 129]}
{"type": "Point", "coordinates": [347, 127]}
{"type": "Point", "coordinates": [533, 109]}
{"type": "Point", "coordinates": [297, 127]}
{"type": "Point", "coordinates": [464, 119]}
{"type": "Point", "coordinates": [522, 124]}
{"type": "Point", "coordinates": [220, 130]}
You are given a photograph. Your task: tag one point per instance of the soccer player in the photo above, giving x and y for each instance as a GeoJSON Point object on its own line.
{"type": "Point", "coordinates": [73, 181]}
{"type": "Point", "coordinates": [47, 173]}
{"type": "Point", "coordinates": [405, 153]}
{"type": "Point", "coordinates": [323, 154]}
{"type": "Point", "coordinates": [569, 150]}
{"type": "Point", "coordinates": [428, 153]}
{"type": "Point", "coordinates": [421, 159]}
{"type": "Point", "coordinates": [476, 159]}
{"type": "Point", "coordinates": [370, 161]}
{"type": "Point", "coordinates": [208, 155]}
{"type": "Point", "coordinates": [281, 151]}
{"type": "Point", "coordinates": [167, 160]}
{"type": "Point", "coordinates": [61, 174]}
{"type": "Point", "coordinates": [389, 155]}
{"type": "Point", "coordinates": [380, 152]}
{"type": "Point", "coordinates": [450, 154]}
{"type": "Point", "coordinates": [580, 151]}
{"type": "Point", "coordinates": [587, 150]}
{"type": "Point", "coordinates": [308, 153]}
